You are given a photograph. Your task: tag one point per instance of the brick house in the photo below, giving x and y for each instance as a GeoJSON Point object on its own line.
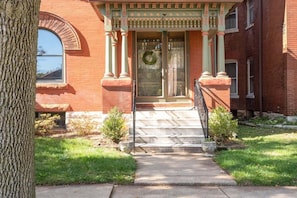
{"type": "Point", "coordinates": [89, 53]}
{"type": "Point", "coordinates": [261, 56]}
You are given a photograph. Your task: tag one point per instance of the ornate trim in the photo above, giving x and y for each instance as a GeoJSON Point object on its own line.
{"type": "Point", "coordinates": [62, 28]}
{"type": "Point", "coordinates": [170, 16]}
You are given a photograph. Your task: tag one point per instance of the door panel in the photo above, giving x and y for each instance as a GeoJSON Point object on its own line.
{"type": "Point", "coordinates": [176, 67]}
{"type": "Point", "coordinates": [149, 71]}
{"type": "Point", "coordinates": [161, 70]}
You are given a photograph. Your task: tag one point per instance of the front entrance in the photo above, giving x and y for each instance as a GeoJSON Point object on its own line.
{"type": "Point", "coordinates": [161, 66]}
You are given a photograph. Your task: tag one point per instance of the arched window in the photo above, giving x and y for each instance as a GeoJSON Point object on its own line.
{"type": "Point", "coordinates": [50, 61]}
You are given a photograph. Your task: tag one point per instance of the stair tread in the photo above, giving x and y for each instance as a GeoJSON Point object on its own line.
{"type": "Point", "coordinates": [177, 135]}
{"type": "Point", "coordinates": [166, 145]}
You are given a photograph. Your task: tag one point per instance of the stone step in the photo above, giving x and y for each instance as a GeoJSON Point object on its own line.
{"type": "Point", "coordinates": [168, 148]}
{"type": "Point", "coordinates": [168, 122]}
{"type": "Point", "coordinates": [167, 131]}
{"type": "Point", "coordinates": [159, 131]}
{"type": "Point", "coordinates": [171, 115]}
{"type": "Point", "coordinates": [172, 139]}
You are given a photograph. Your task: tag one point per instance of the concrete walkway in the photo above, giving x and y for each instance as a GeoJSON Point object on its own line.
{"type": "Point", "coordinates": [170, 175]}
{"type": "Point", "coordinates": [179, 169]}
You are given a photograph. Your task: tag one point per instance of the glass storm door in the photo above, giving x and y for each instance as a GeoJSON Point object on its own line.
{"type": "Point", "coordinates": [161, 65]}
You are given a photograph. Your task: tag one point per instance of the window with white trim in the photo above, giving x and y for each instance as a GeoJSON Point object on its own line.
{"type": "Point", "coordinates": [50, 57]}
{"type": "Point", "coordinates": [250, 13]}
{"type": "Point", "coordinates": [231, 67]}
{"type": "Point", "coordinates": [231, 21]}
{"type": "Point", "coordinates": [250, 77]}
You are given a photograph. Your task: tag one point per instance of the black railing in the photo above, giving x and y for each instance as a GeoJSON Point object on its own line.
{"type": "Point", "coordinates": [201, 107]}
{"type": "Point", "coordinates": [134, 111]}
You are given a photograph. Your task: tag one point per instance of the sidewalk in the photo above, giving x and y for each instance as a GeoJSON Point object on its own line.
{"type": "Point", "coordinates": [135, 191]}
{"type": "Point", "coordinates": [170, 175]}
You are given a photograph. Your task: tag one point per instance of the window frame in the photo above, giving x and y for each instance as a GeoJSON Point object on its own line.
{"type": "Point", "coordinates": [250, 78]}
{"type": "Point", "coordinates": [232, 29]}
{"type": "Point", "coordinates": [62, 56]}
{"type": "Point", "coordinates": [250, 13]}
{"type": "Point", "coordinates": [233, 61]}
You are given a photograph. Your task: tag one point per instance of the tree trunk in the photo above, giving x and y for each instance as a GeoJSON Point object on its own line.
{"type": "Point", "coordinates": [18, 45]}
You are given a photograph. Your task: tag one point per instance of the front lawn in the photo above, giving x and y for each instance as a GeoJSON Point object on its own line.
{"type": "Point", "coordinates": [77, 160]}
{"type": "Point", "coordinates": [270, 158]}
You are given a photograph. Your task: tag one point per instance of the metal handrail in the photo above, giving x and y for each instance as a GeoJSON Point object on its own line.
{"type": "Point", "coordinates": [134, 111]}
{"type": "Point", "coordinates": [200, 104]}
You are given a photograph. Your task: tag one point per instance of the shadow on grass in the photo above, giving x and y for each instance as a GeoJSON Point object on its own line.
{"type": "Point", "coordinates": [249, 131]}
{"type": "Point", "coordinates": [76, 161]}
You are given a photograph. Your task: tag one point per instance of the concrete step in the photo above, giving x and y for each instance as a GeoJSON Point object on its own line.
{"type": "Point", "coordinates": [168, 122]}
{"type": "Point", "coordinates": [168, 114]}
{"type": "Point", "coordinates": [168, 148]}
{"type": "Point", "coordinates": [159, 131]}
{"type": "Point", "coordinates": [167, 131]}
{"type": "Point", "coordinates": [171, 139]}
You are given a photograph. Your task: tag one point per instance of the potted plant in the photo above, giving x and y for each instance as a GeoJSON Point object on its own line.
{"type": "Point", "coordinates": [208, 147]}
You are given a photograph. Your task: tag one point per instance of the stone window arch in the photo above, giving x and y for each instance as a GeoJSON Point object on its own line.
{"type": "Point", "coordinates": [62, 28]}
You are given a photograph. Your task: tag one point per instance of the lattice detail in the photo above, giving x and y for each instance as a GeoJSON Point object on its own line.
{"type": "Point", "coordinates": [62, 28]}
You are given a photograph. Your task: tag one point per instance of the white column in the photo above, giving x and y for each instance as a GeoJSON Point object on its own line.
{"type": "Point", "coordinates": [221, 42]}
{"type": "Point", "coordinates": [108, 72]}
{"type": "Point", "coordinates": [221, 55]}
{"type": "Point", "coordinates": [124, 59]}
{"type": "Point", "coordinates": [205, 55]}
{"type": "Point", "coordinates": [114, 61]}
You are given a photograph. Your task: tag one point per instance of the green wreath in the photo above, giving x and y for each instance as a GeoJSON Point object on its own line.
{"type": "Point", "coordinates": [149, 58]}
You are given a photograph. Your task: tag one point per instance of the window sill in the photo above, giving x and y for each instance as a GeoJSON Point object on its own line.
{"type": "Point", "coordinates": [52, 86]}
{"type": "Point", "coordinates": [249, 26]}
{"type": "Point", "coordinates": [250, 96]}
{"type": "Point", "coordinates": [233, 30]}
{"type": "Point", "coordinates": [234, 96]}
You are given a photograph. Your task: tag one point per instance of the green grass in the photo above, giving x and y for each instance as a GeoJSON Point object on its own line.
{"type": "Point", "coordinates": [77, 161]}
{"type": "Point", "coordinates": [270, 158]}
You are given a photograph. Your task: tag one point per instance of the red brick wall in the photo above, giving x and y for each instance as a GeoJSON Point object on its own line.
{"type": "Point", "coordinates": [86, 90]}
{"type": "Point", "coordinates": [195, 61]}
{"type": "Point", "coordinates": [84, 68]}
{"type": "Point", "coordinates": [291, 67]}
{"type": "Point", "coordinates": [273, 62]}
{"type": "Point", "coordinates": [278, 72]}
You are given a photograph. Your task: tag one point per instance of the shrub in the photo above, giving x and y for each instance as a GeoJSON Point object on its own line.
{"type": "Point", "coordinates": [222, 127]}
{"type": "Point", "coordinates": [45, 122]}
{"type": "Point", "coordinates": [82, 125]}
{"type": "Point", "coordinates": [114, 126]}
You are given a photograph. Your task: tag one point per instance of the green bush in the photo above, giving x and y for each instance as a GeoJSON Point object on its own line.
{"type": "Point", "coordinates": [45, 122]}
{"type": "Point", "coordinates": [114, 126]}
{"type": "Point", "coordinates": [222, 127]}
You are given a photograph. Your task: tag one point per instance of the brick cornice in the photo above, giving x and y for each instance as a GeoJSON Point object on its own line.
{"type": "Point", "coordinates": [62, 28]}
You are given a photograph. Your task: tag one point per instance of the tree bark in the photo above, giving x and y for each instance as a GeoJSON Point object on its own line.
{"type": "Point", "coordinates": [18, 45]}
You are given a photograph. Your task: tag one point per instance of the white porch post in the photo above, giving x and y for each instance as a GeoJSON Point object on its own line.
{"type": "Point", "coordinates": [108, 29]}
{"type": "Point", "coordinates": [108, 72]}
{"type": "Point", "coordinates": [124, 60]}
{"type": "Point", "coordinates": [206, 70]}
{"type": "Point", "coordinates": [221, 55]}
{"type": "Point", "coordinates": [221, 42]}
{"type": "Point", "coordinates": [114, 61]}
{"type": "Point", "coordinates": [124, 33]}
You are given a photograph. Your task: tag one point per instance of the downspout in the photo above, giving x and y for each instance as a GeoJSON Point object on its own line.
{"type": "Point", "coordinates": [260, 56]}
